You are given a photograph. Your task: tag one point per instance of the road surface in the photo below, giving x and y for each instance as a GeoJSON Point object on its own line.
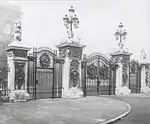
{"type": "Point", "coordinates": [140, 113]}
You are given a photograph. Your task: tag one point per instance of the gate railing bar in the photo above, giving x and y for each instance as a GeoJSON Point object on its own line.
{"type": "Point", "coordinates": [60, 74]}
{"type": "Point", "coordinates": [28, 77]}
{"type": "Point", "coordinates": [53, 75]}
{"type": "Point", "coordinates": [98, 76]}
{"type": "Point", "coordinates": [44, 68]}
{"type": "Point", "coordinates": [129, 72]}
{"type": "Point", "coordinates": [35, 62]}
{"type": "Point", "coordinates": [110, 78]}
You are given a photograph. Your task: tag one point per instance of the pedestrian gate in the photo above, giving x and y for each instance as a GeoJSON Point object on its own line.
{"type": "Point", "coordinates": [44, 74]}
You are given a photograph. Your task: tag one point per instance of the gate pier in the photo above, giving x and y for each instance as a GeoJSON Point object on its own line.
{"type": "Point", "coordinates": [122, 58]}
{"type": "Point", "coordinates": [145, 74]}
{"type": "Point", "coordinates": [71, 52]}
{"type": "Point", "coordinates": [18, 64]}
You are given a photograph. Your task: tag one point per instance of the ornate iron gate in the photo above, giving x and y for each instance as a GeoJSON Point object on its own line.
{"type": "Point", "coordinates": [135, 77]}
{"type": "Point", "coordinates": [3, 77]}
{"type": "Point", "coordinates": [44, 75]}
{"type": "Point", "coordinates": [98, 75]}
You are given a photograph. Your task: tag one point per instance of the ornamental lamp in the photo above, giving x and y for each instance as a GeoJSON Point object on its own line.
{"type": "Point", "coordinates": [75, 18]}
{"type": "Point", "coordinates": [117, 33]}
{"type": "Point", "coordinates": [120, 25]}
{"type": "Point", "coordinates": [124, 33]}
{"type": "Point", "coordinates": [71, 10]}
{"type": "Point", "coordinates": [66, 19]}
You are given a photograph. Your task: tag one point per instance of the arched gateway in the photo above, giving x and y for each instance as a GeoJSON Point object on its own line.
{"type": "Point", "coordinates": [99, 75]}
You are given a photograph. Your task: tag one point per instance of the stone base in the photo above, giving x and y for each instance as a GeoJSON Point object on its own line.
{"type": "Point", "coordinates": [18, 96]}
{"type": "Point", "coordinates": [145, 90]}
{"type": "Point", "coordinates": [123, 91]}
{"type": "Point", "coordinates": [73, 93]}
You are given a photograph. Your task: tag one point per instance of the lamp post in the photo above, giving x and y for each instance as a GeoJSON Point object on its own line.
{"type": "Point", "coordinates": [120, 35]}
{"type": "Point", "coordinates": [71, 21]}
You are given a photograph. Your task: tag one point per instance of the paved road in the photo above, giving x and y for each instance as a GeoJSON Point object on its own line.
{"type": "Point", "coordinates": [140, 109]}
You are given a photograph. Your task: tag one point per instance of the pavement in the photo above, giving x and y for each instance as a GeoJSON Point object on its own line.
{"type": "Point", "coordinates": [88, 110]}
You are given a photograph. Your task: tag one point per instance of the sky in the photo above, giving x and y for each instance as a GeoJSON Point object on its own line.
{"type": "Point", "coordinates": [99, 19]}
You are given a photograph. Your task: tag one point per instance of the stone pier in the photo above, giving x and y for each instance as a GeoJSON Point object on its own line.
{"type": "Point", "coordinates": [71, 52]}
{"type": "Point", "coordinates": [122, 58]}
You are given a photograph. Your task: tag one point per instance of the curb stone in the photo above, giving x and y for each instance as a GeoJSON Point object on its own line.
{"type": "Point", "coordinates": [124, 114]}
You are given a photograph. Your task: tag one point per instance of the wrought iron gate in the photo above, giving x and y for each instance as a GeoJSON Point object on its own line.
{"type": "Point", "coordinates": [135, 77]}
{"type": "Point", "coordinates": [44, 80]}
{"type": "Point", "coordinates": [3, 77]}
{"type": "Point", "coordinates": [98, 75]}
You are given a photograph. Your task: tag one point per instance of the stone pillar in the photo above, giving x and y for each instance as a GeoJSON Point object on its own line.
{"type": "Point", "coordinates": [18, 64]}
{"type": "Point", "coordinates": [66, 75]}
{"type": "Point", "coordinates": [11, 73]}
{"type": "Point", "coordinates": [145, 78]}
{"type": "Point", "coordinates": [122, 59]}
{"type": "Point", "coordinates": [143, 84]}
{"type": "Point", "coordinates": [119, 76]}
{"type": "Point", "coordinates": [80, 70]}
{"type": "Point", "coordinates": [71, 52]}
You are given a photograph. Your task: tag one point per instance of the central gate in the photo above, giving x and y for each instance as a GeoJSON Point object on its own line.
{"type": "Point", "coordinates": [99, 75]}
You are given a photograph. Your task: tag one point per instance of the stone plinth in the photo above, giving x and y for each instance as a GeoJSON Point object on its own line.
{"type": "Point", "coordinates": [18, 96]}
{"type": "Point", "coordinates": [73, 92]}
{"type": "Point", "coordinates": [124, 90]}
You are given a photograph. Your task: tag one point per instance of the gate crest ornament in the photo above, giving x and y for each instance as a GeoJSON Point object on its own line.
{"type": "Point", "coordinates": [45, 57]}
{"type": "Point", "coordinates": [44, 60]}
{"type": "Point", "coordinates": [92, 71]}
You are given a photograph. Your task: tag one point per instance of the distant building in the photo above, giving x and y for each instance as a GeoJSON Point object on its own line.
{"type": "Point", "coordinates": [8, 16]}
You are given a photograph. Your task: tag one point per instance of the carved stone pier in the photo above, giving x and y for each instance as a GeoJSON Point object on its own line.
{"type": "Point", "coordinates": [71, 52]}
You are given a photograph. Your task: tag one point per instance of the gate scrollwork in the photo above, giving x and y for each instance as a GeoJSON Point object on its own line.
{"type": "Point", "coordinates": [103, 72]}
{"type": "Point", "coordinates": [92, 71]}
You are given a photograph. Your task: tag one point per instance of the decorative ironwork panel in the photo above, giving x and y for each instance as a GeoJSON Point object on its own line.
{"type": "Point", "coordinates": [133, 67]}
{"type": "Point", "coordinates": [92, 71]}
{"type": "Point", "coordinates": [99, 76]}
{"type": "Point", "coordinates": [103, 72]}
{"type": "Point", "coordinates": [45, 60]}
{"type": "Point", "coordinates": [4, 69]}
{"type": "Point", "coordinates": [135, 76]}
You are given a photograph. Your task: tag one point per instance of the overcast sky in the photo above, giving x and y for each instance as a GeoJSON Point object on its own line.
{"type": "Point", "coordinates": [99, 19]}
